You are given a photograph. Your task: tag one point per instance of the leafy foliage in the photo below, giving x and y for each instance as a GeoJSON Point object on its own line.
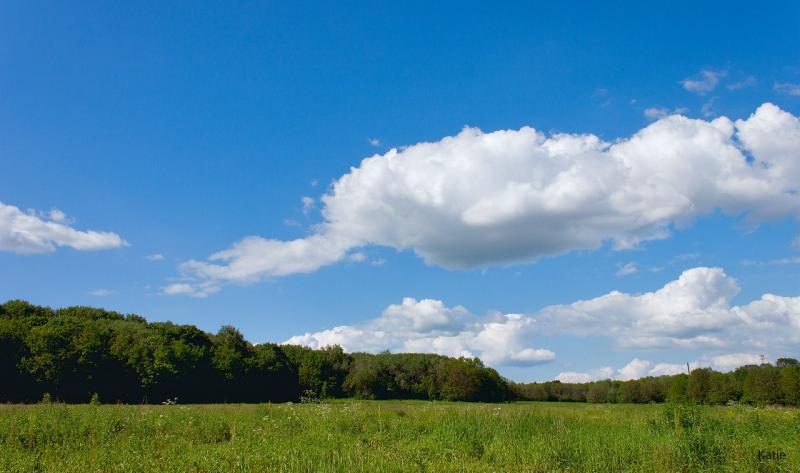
{"type": "Point", "coordinates": [81, 353]}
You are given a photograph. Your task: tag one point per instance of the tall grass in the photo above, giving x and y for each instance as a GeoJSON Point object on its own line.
{"type": "Point", "coordinates": [395, 436]}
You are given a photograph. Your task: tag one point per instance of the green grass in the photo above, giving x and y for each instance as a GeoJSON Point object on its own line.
{"type": "Point", "coordinates": [395, 436]}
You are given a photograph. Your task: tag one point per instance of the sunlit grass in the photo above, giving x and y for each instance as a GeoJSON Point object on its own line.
{"type": "Point", "coordinates": [395, 436]}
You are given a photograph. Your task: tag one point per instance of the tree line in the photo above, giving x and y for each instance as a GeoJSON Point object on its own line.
{"type": "Point", "coordinates": [75, 354]}
{"type": "Point", "coordinates": [752, 384]}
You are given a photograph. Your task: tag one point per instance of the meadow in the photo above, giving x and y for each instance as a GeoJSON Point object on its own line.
{"type": "Point", "coordinates": [387, 436]}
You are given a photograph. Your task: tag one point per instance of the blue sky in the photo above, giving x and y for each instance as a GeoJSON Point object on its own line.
{"type": "Point", "coordinates": [180, 130]}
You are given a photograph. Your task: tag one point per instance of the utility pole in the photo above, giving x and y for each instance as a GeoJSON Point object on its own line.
{"type": "Point", "coordinates": [688, 371]}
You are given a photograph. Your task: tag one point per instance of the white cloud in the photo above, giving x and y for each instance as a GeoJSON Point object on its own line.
{"type": "Point", "coordinates": [734, 360]}
{"type": "Point", "coordinates": [308, 204]}
{"type": "Point", "coordinates": [188, 289]}
{"type": "Point", "coordinates": [374, 142]}
{"type": "Point", "coordinates": [748, 81]}
{"type": "Point", "coordinates": [594, 375]}
{"type": "Point", "coordinates": [634, 370]}
{"type": "Point", "coordinates": [357, 257]}
{"type": "Point", "coordinates": [428, 326]}
{"type": "Point", "coordinates": [693, 311]}
{"type": "Point", "coordinates": [706, 81]}
{"type": "Point", "coordinates": [58, 216]}
{"type": "Point", "coordinates": [27, 233]}
{"type": "Point", "coordinates": [669, 369]}
{"type": "Point", "coordinates": [155, 257]}
{"type": "Point", "coordinates": [773, 262]}
{"type": "Point", "coordinates": [102, 292]}
{"type": "Point", "coordinates": [574, 377]}
{"type": "Point", "coordinates": [603, 373]}
{"type": "Point", "coordinates": [708, 108]}
{"type": "Point", "coordinates": [478, 199]}
{"type": "Point", "coordinates": [638, 368]}
{"type": "Point", "coordinates": [787, 88]}
{"type": "Point", "coordinates": [628, 269]}
{"type": "Point", "coordinates": [656, 113]}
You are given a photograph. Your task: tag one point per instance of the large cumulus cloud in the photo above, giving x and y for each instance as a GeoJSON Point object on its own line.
{"type": "Point", "coordinates": [478, 199]}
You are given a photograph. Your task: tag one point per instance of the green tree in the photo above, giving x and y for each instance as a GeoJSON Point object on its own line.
{"type": "Point", "coordinates": [699, 385]}
{"type": "Point", "coordinates": [679, 388]}
{"type": "Point", "coordinates": [762, 385]}
{"type": "Point", "coordinates": [790, 384]}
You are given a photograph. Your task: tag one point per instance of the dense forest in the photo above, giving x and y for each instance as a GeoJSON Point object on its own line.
{"type": "Point", "coordinates": [75, 354]}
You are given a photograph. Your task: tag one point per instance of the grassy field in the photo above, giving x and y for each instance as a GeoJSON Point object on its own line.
{"type": "Point", "coordinates": [396, 436]}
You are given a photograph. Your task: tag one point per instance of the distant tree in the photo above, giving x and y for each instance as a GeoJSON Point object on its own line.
{"type": "Point", "coordinates": [721, 388]}
{"type": "Point", "coordinates": [762, 385]}
{"type": "Point", "coordinates": [790, 384]}
{"type": "Point", "coordinates": [631, 391]}
{"type": "Point", "coordinates": [678, 389]}
{"type": "Point", "coordinates": [600, 391]}
{"type": "Point", "coordinates": [231, 353]}
{"type": "Point", "coordinates": [273, 377]}
{"type": "Point", "coordinates": [786, 362]}
{"type": "Point", "coordinates": [699, 385]}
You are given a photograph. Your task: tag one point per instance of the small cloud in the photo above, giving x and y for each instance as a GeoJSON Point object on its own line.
{"type": "Point", "coordinates": [785, 261]}
{"type": "Point", "coordinates": [748, 81]}
{"type": "Point", "coordinates": [178, 288]}
{"type": "Point", "coordinates": [773, 262]}
{"type": "Point", "coordinates": [374, 142]}
{"type": "Point", "coordinates": [308, 204]}
{"type": "Point", "coordinates": [378, 262]}
{"type": "Point", "coordinates": [601, 94]}
{"type": "Point", "coordinates": [314, 183]}
{"type": "Point", "coordinates": [734, 360]}
{"type": "Point", "coordinates": [656, 113]}
{"type": "Point", "coordinates": [155, 257]}
{"type": "Point", "coordinates": [708, 108]}
{"type": "Point", "coordinates": [627, 270]}
{"type": "Point", "coordinates": [291, 222]}
{"type": "Point", "coordinates": [188, 290]}
{"type": "Point", "coordinates": [357, 257]}
{"type": "Point", "coordinates": [796, 242]}
{"type": "Point", "coordinates": [704, 82]}
{"type": "Point", "coordinates": [687, 256]}
{"type": "Point", "coordinates": [58, 216]}
{"type": "Point", "coordinates": [102, 292]}
{"type": "Point", "coordinates": [574, 377]}
{"type": "Point", "coordinates": [594, 375]}
{"type": "Point", "coordinates": [787, 88]}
